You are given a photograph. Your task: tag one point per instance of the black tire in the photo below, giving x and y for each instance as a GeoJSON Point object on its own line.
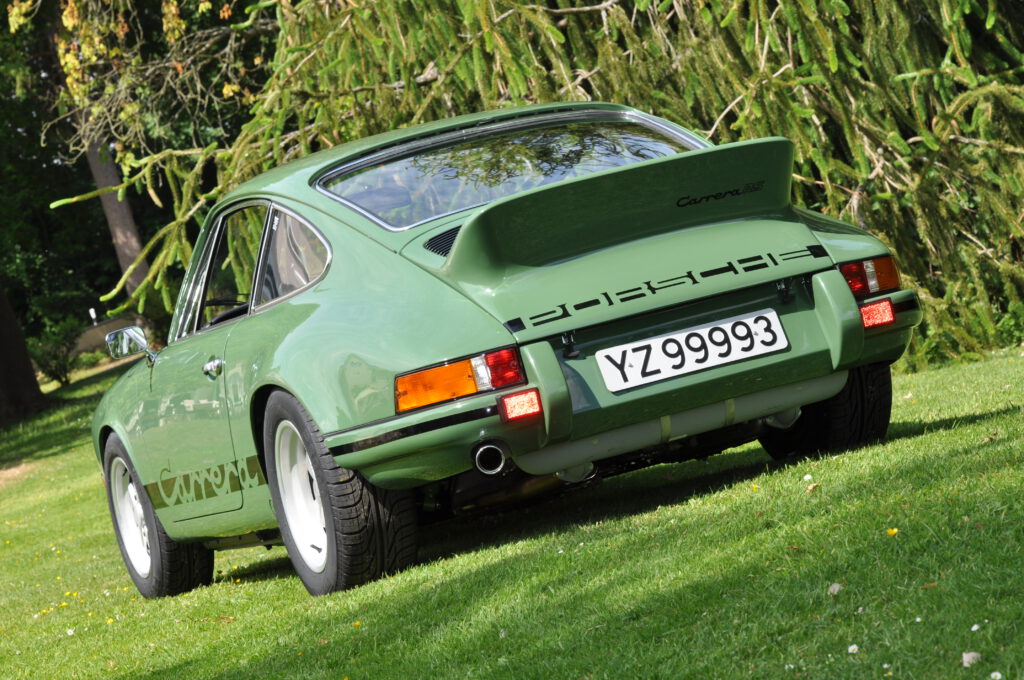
{"type": "Point", "coordinates": [340, 530]}
{"type": "Point", "coordinates": [158, 564]}
{"type": "Point", "coordinates": [856, 417]}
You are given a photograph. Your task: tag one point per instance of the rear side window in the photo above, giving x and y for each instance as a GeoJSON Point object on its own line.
{"type": "Point", "coordinates": [296, 256]}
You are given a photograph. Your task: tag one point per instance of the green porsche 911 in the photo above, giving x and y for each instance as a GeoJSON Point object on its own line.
{"type": "Point", "coordinates": [434, 318]}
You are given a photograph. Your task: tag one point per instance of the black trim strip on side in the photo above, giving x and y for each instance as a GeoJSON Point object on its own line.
{"type": "Point", "coordinates": [412, 430]}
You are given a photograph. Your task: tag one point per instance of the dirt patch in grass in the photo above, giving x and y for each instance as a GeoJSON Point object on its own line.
{"type": "Point", "coordinates": [14, 473]}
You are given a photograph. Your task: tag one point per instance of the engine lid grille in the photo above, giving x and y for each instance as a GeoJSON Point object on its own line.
{"type": "Point", "coordinates": [442, 243]}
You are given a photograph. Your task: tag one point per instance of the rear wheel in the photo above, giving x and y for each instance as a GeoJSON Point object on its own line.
{"type": "Point", "coordinates": [340, 531]}
{"type": "Point", "coordinates": [857, 416]}
{"type": "Point", "coordinates": [157, 564]}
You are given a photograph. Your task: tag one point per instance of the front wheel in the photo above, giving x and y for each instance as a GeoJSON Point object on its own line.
{"type": "Point", "coordinates": [857, 416]}
{"type": "Point", "coordinates": [340, 531]}
{"type": "Point", "coordinates": [158, 564]}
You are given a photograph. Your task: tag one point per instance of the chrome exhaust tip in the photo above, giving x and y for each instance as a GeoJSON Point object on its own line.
{"type": "Point", "coordinates": [491, 458]}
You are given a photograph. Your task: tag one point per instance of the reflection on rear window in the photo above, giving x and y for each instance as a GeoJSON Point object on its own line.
{"type": "Point", "coordinates": [432, 182]}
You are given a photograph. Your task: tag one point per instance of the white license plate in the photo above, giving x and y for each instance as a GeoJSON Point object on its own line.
{"type": "Point", "coordinates": [690, 350]}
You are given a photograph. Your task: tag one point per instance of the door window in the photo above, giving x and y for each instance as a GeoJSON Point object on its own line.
{"type": "Point", "coordinates": [224, 289]}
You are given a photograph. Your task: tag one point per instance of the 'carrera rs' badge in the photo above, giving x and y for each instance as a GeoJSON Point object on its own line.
{"type": "Point", "coordinates": [748, 188]}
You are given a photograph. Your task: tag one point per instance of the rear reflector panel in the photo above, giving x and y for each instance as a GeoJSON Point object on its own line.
{"type": "Point", "coordinates": [519, 405]}
{"type": "Point", "coordinates": [877, 314]}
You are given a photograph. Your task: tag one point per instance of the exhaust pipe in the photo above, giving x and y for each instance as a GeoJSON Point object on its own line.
{"type": "Point", "coordinates": [490, 458]}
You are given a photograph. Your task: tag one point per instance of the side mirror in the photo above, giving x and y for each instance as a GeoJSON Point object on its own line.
{"type": "Point", "coordinates": [126, 342]}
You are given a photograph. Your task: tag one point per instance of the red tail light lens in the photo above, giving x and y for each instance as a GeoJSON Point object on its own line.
{"type": "Point", "coordinates": [877, 314]}
{"type": "Point", "coordinates": [876, 275]}
{"type": "Point", "coordinates": [504, 367]}
{"type": "Point", "coordinates": [856, 278]}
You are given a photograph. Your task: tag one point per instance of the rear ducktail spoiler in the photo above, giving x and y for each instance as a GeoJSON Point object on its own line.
{"type": "Point", "coordinates": [554, 223]}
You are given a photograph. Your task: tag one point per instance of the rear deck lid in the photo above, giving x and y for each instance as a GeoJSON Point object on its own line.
{"type": "Point", "coordinates": [628, 240]}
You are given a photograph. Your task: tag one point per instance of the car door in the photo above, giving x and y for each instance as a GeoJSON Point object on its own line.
{"type": "Point", "coordinates": [190, 425]}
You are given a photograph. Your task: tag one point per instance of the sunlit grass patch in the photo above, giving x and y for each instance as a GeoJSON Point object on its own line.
{"type": "Point", "coordinates": [899, 558]}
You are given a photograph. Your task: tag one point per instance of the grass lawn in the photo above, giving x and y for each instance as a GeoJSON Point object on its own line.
{"type": "Point", "coordinates": [729, 568]}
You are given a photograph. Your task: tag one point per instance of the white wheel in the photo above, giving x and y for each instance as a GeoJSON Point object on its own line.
{"type": "Point", "coordinates": [130, 518]}
{"type": "Point", "coordinates": [340, 531]}
{"type": "Point", "coordinates": [300, 496]}
{"type": "Point", "coordinates": [158, 565]}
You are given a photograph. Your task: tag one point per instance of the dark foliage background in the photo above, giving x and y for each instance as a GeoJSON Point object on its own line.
{"type": "Point", "coordinates": [907, 117]}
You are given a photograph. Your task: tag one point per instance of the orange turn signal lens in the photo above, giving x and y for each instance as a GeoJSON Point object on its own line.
{"type": "Point", "coordinates": [434, 385]}
{"type": "Point", "coordinates": [876, 275]}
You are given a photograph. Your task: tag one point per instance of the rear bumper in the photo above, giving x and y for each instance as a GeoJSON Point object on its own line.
{"type": "Point", "coordinates": [584, 422]}
{"type": "Point", "coordinates": [571, 454]}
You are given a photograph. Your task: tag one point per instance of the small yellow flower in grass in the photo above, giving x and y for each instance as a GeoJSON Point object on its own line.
{"type": "Point", "coordinates": [109, 621]}
{"type": "Point", "coordinates": [892, 531]}
{"type": "Point", "coordinates": [853, 649]}
{"type": "Point", "coordinates": [357, 624]}
{"type": "Point", "coordinates": [755, 487]}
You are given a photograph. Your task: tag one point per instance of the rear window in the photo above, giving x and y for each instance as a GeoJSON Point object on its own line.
{"type": "Point", "coordinates": [406, 190]}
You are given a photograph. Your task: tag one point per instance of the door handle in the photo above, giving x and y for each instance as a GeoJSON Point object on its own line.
{"type": "Point", "coordinates": [213, 367]}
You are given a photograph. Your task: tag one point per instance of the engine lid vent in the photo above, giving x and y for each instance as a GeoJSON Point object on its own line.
{"type": "Point", "coordinates": [442, 243]}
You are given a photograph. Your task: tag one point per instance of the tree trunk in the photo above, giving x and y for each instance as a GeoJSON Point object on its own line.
{"type": "Point", "coordinates": [119, 215]}
{"type": "Point", "coordinates": [19, 391]}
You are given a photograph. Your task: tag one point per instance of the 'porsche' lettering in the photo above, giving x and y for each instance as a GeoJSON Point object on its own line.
{"type": "Point", "coordinates": [737, 267]}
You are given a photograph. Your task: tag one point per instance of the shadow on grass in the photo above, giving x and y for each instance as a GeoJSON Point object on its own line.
{"type": "Point", "coordinates": [273, 569]}
{"type": "Point", "coordinates": [911, 429]}
{"type": "Point", "coordinates": [62, 424]}
{"type": "Point", "coordinates": [628, 494]}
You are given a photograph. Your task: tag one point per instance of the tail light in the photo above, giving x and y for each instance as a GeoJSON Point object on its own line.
{"type": "Point", "coordinates": [461, 378]}
{"type": "Point", "coordinates": [876, 275]}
